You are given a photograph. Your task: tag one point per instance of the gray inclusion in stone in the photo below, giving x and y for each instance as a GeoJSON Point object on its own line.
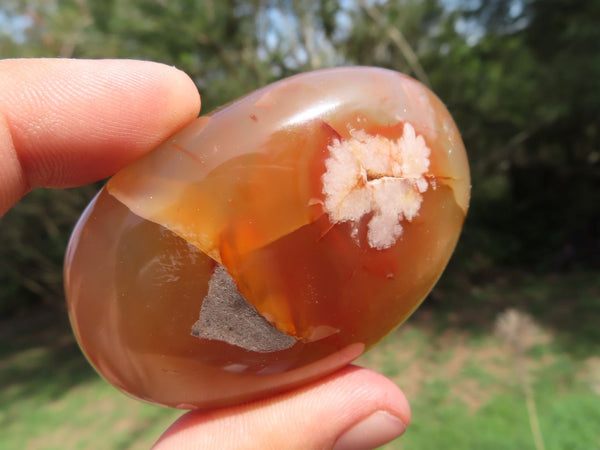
{"type": "Point", "coordinates": [227, 316]}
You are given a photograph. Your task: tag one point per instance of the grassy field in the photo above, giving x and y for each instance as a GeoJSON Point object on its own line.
{"type": "Point", "coordinates": [477, 376]}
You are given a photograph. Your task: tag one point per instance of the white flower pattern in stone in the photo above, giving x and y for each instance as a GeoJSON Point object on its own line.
{"type": "Point", "coordinates": [373, 174]}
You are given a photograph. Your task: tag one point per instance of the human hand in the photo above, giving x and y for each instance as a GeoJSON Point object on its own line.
{"type": "Point", "coordinates": [70, 122]}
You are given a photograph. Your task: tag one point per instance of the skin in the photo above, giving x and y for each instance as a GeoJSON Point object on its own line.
{"type": "Point", "coordinates": [65, 123]}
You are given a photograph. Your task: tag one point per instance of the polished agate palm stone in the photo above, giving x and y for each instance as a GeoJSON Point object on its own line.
{"type": "Point", "coordinates": [271, 242]}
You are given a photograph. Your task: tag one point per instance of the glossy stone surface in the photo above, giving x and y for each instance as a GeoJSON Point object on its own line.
{"type": "Point", "coordinates": [269, 243]}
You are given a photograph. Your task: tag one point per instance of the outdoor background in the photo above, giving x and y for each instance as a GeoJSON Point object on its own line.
{"type": "Point", "coordinates": [505, 354]}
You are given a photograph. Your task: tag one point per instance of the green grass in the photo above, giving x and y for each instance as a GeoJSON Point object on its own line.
{"type": "Point", "coordinates": [469, 397]}
{"type": "Point", "coordinates": [462, 379]}
{"type": "Point", "coordinates": [52, 399]}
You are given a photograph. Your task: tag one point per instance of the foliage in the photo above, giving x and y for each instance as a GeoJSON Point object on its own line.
{"type": "Point", "coordinates": [522, 79]}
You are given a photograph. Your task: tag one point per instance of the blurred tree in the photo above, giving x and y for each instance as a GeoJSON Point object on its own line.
{"type": "Point", "coordinates": [521, 77]}
{"type": "Point", "coordinates": [545, 130]}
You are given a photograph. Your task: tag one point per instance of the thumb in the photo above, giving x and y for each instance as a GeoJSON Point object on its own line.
{"type": "Point", "coordinates": [354, 408]}
{"type": "Point", "coordinates": [67, 122]}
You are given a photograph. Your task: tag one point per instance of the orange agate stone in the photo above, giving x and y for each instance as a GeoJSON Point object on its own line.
{"type": "Point", "coordinates": [271, 242]}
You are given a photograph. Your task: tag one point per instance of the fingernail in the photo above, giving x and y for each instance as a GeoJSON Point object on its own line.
{"type": "Point", "coordinates": [377, 429]}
